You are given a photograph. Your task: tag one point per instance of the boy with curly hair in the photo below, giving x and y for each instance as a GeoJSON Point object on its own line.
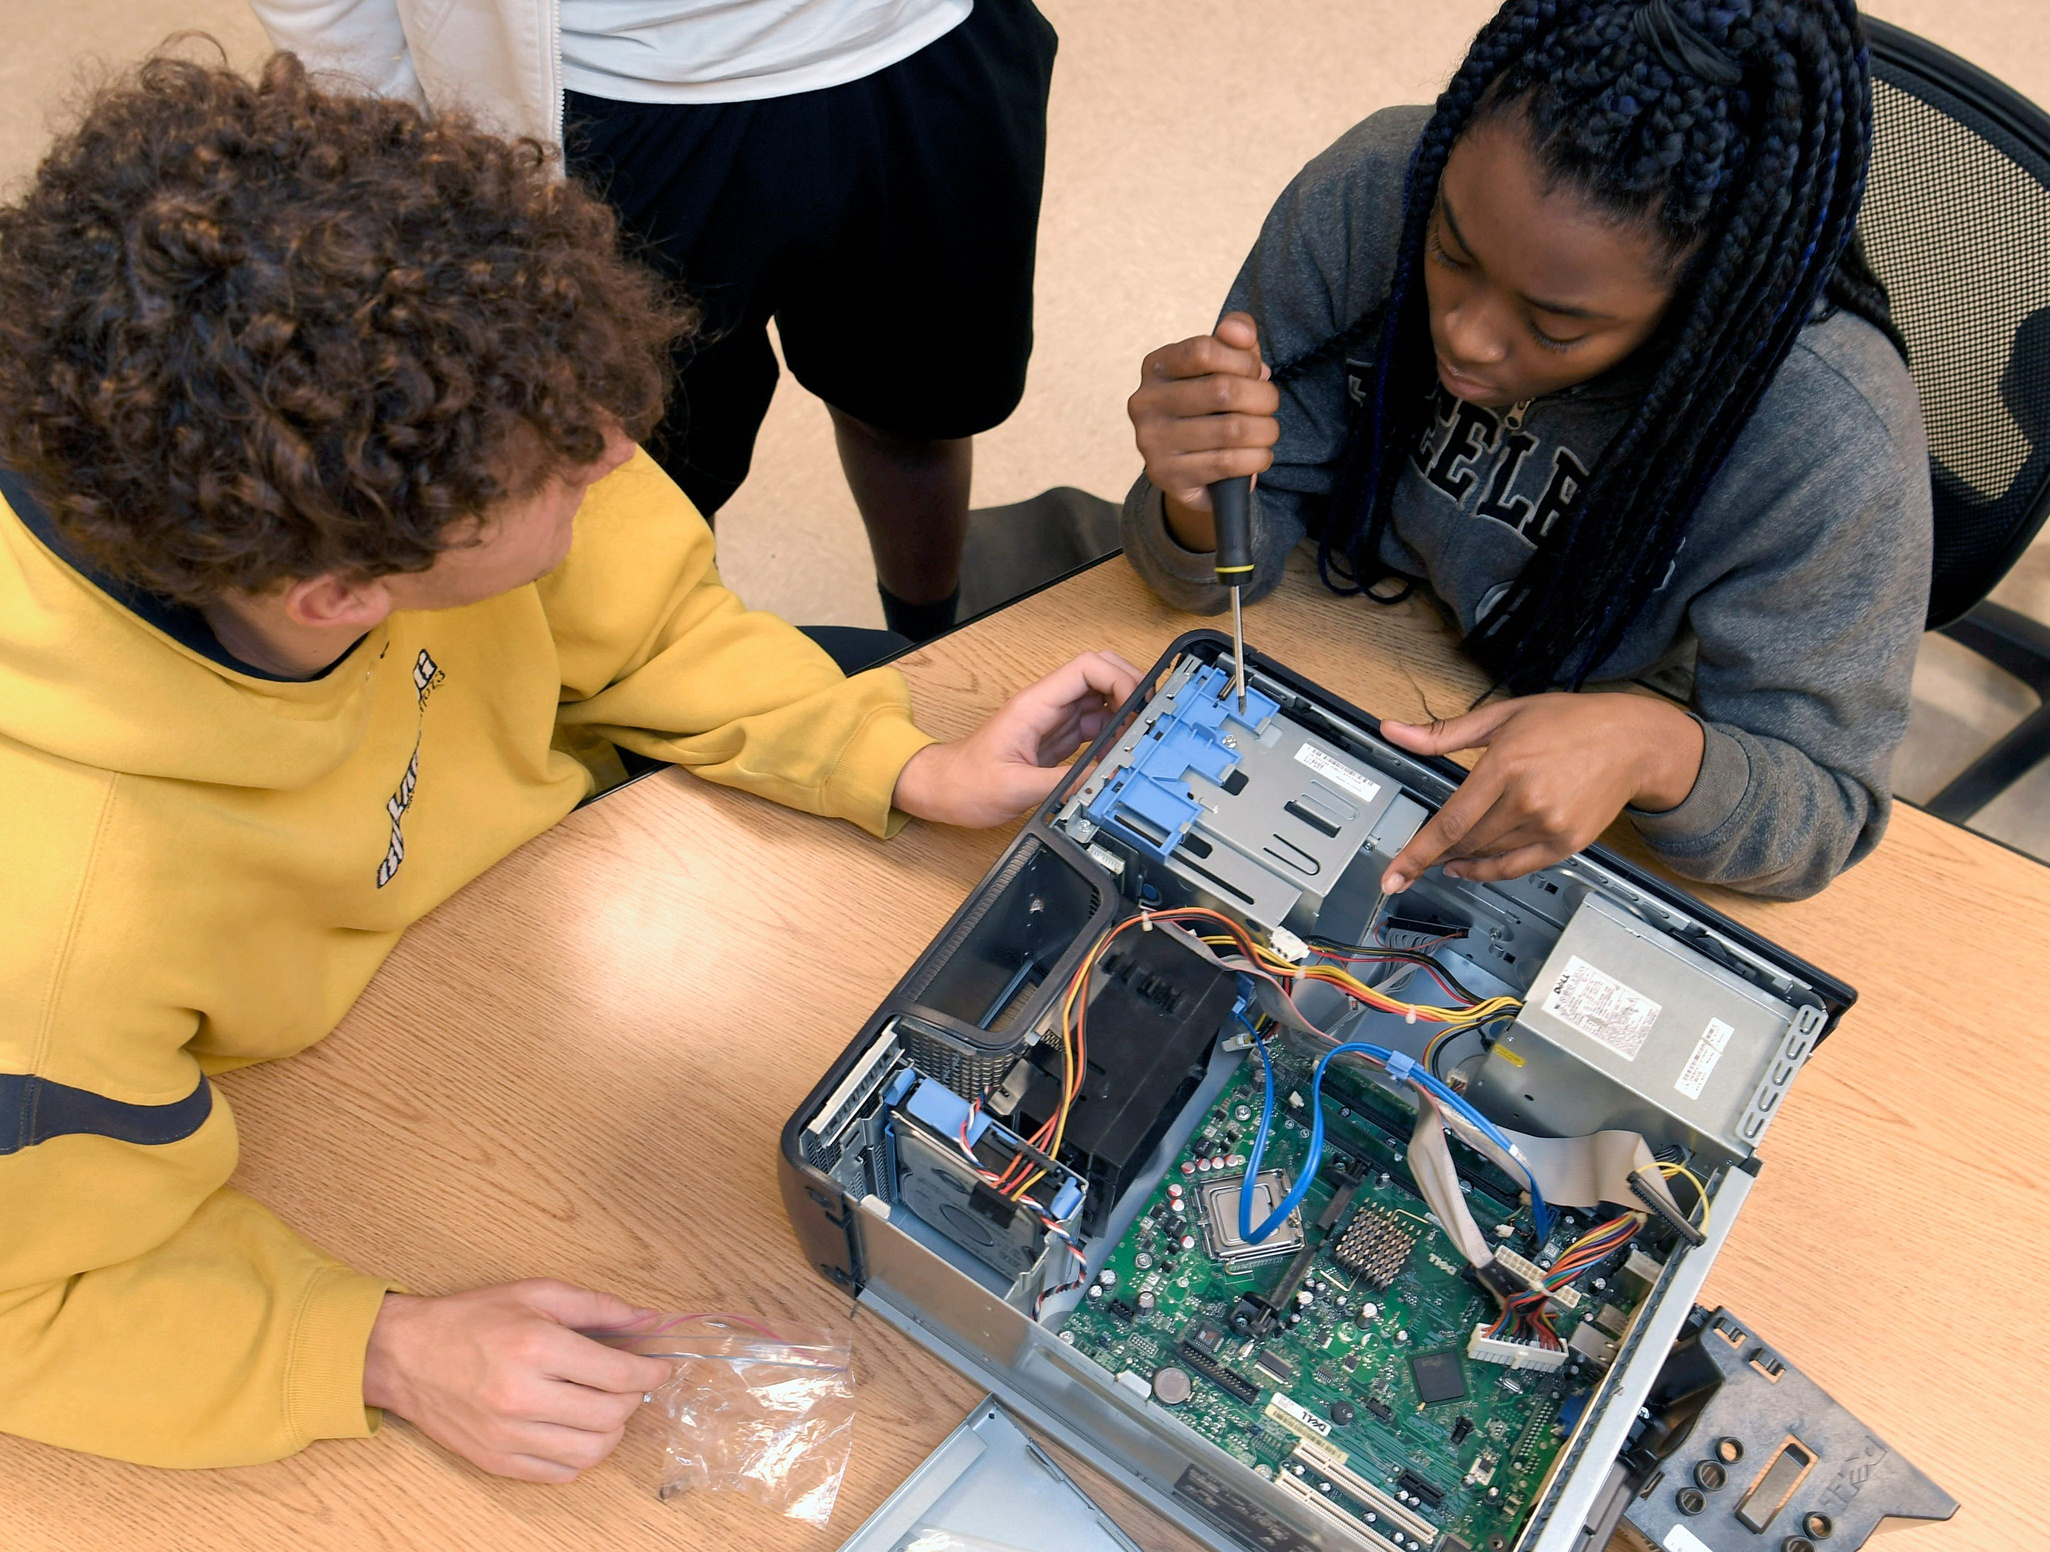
{"type": "Point", "coordinates": [330, 573]}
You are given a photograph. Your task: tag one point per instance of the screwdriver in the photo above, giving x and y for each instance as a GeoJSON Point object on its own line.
{"type": "Point", "coordinates": [1231, 503]}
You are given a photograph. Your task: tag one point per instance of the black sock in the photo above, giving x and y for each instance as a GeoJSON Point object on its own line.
{"type": "Point", "coordinates": [920, 622]}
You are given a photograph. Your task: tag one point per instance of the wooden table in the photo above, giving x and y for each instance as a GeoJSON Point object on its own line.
{"type": "Point", "coordinates": [579, 1066]}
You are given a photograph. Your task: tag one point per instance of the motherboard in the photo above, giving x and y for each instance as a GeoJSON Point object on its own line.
{"type": "Point", "coordinates": [1333, 1357]}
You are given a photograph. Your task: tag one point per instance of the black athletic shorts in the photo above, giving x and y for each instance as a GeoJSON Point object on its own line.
{"type": "Point", "coordinates": [887, 225]}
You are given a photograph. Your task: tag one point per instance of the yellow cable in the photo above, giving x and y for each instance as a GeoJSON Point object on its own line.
{"type": "Point", "coordinates": [1700, 1190]}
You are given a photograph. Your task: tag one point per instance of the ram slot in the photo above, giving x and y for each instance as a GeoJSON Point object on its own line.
{"type": "Point", "coordinates": [1329, 1465]}
{"type": "Point", "coordinates": [1294, 1487]}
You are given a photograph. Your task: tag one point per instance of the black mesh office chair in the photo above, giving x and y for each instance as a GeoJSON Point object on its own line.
{"type": "Point", "coordinates": [1957, 223]}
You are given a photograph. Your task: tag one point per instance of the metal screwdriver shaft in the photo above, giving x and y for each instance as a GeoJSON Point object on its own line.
{"type": "Point", "coordinates": [1231, 503]}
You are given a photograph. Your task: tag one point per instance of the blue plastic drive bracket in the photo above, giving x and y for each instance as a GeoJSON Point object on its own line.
{"type": "Point", "coordinates": [946, 1112]}
{"type": "Point", "coordinates": [1065, 1201]}
{"type": "Point", "coordinates": [1149, 803]}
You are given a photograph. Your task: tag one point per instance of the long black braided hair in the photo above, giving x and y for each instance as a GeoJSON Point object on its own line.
{"type": "Point", "coordinates": [1749, 156]}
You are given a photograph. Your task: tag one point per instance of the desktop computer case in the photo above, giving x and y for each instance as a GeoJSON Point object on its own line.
{"type": "Point", "coordinates": [1210, 1494]}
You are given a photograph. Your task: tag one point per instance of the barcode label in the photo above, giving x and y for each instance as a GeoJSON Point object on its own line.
{"type": "Point", "coordinates": [1601, 1008]}
{"type": "Point", "coordinates": [1358, 784]}
{"type": "Point", "coordinates": [1708, 1051]}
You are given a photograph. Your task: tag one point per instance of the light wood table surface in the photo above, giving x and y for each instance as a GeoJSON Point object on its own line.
{"type": "Point", "coordinates": [580, 1065]}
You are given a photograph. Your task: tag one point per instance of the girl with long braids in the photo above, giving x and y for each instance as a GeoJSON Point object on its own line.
{"type": "Point", "coordinates": [1590, 355]}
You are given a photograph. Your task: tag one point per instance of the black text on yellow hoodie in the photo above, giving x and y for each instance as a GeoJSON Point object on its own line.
{"type": "Point", "coordinates": [204, 868]}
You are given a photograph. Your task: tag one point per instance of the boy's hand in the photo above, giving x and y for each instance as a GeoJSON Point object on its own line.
{"type": "Point", "coordinates": [1558, 769]}
{"type": "Point", "coordinates": [1203, 412]}
{"type": "Point", "coordinates": [500, 1376]}
{"type": "Point", "coordinates": [1013, 761]}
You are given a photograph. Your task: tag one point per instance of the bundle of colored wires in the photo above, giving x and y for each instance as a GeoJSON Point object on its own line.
{"type": "Point", "coordinates": [1528, 1314]}
{"type": "Point", "coordinates": [1219, 930]}
{"type": "Point", "coordinates": [1325, 968]}
{"type": "Point", "coordinates": [1053, 1227]}
{"type": "Point", "coordinates": [1438, 970]}
{"type": "Point", "coordinates": [1451, 1032]}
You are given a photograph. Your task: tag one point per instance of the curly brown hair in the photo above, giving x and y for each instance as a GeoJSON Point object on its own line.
{"type": "Point", "coordinates": [253, 331]}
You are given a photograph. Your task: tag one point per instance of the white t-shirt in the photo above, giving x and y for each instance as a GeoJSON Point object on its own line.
{"type": "Point", "coordinates": [740, 50]}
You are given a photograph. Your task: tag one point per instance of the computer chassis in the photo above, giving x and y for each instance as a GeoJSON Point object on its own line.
{"type": "Point", "coordinates": [1039, 1157]}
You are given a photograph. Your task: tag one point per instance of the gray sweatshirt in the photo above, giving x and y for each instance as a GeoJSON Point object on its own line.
{"type": "Point", "coordinates": [1791, 616]}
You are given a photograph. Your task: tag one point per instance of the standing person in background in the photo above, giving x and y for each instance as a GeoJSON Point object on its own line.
{"type": "Point", "coordinates": [865, 172]}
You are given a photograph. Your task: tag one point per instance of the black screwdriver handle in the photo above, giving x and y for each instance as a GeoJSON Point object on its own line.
{"type": "Point", "coordinates": [1231, 503]}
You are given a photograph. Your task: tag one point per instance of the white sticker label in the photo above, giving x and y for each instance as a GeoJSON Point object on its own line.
{"type": "Point", "coordinates": [1681, 1539]}
{"type": "Point", "coordinates": [1298, 1415]}
{"type": "Point", "coordinates": [1602, 1008]}
{"type": "Point", "coordinates": [1707, 1051]}
{"type": "Point", "coordinates": [1359, 785]}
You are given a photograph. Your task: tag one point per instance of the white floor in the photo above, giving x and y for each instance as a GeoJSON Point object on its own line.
{"type": "Point", "coordinates": [1175, 122]}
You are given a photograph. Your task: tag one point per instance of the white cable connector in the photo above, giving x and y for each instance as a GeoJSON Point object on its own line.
{"type": "Point", "coordinates": [1514, 1355]}
{"type": "Point", "coordinates": [1288, 945]}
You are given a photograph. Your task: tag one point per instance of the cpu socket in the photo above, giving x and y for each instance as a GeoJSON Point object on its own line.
{"type": "Point", "coordinates": [1219, 1200]}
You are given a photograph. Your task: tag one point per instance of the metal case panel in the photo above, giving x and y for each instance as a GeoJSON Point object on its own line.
{"type": "Point", "coordinates": [990, 1485]}
{"type": "Point", "coordinates": [1273, 838]}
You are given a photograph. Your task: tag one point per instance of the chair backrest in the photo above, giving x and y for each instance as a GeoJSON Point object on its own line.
{"type": "Point", "coordinates": [1956, 221]}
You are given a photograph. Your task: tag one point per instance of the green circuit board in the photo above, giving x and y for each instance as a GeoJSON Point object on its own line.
{"type": "Point", "coordinates": [1331, 1395]}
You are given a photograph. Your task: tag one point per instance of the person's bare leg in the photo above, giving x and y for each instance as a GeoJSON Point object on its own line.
{"type": "Point", "coordinates": [913, 496]}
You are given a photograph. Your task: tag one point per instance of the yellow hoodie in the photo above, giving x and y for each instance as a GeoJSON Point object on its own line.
{"type": "Point", "coordinates": [203, 868]}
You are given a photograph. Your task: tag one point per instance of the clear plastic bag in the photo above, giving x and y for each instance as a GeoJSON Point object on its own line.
{"type": "Point", "coordinates": [757, 1405]}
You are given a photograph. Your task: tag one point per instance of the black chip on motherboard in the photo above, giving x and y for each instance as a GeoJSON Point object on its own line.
{"type": "Point", "coordinates": [1374, 1246]}
{"type": "Point", "coordinates": [1439, 1376]}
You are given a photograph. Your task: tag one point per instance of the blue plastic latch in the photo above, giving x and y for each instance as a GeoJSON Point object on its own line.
{"type": "Point", "coordinates": [1242, 1008]}
{"type": "Point", "coordinates": [899, 1086]}
{"type": "Point", "coordinates": [1065, 1201]}
{"type": "Point", "coordinates": [946, 1112]}
{"type": "Point", "coordinates": [1149, 803]}
{"type": "Point", "coordinates": [1400, 1066]}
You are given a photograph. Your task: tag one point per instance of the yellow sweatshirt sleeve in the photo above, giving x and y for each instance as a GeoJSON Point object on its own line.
{"type": "Point", "coordinates": [148, 1314]}
{"type": "Point", "coordinates": [659, 657]}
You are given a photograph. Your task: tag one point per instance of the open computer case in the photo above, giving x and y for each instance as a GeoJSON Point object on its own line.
{"type": "Point", "coordinates": [1320, 1219]}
